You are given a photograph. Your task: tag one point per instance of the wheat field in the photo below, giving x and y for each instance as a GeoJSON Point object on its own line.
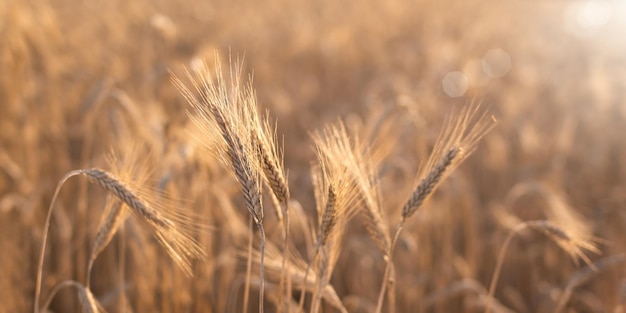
{"type": "Point", "coordinates": [312, 156]}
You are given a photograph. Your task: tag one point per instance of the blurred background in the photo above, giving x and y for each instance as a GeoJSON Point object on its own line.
{"type": "Point", "coordinates": [79, 78]}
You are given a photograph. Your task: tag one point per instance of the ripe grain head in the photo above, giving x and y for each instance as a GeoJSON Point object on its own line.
{"type": "Point", "coordinates": [459, 136]}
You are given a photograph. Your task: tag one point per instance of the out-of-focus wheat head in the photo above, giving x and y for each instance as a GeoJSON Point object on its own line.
{"type": "Point", "coordinates": [571, 231]}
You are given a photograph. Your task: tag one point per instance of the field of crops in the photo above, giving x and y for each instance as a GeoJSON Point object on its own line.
{"type": "Point", "coordinates": [312, 156]}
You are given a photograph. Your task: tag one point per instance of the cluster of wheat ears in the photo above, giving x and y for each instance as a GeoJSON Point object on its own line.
{"type": "Point", "coordinates": [346, 184]}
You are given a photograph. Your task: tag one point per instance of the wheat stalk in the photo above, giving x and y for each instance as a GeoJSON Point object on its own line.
{"type": "Point", "coordinates": [87, 301]}
{"type": "Point", "coordinates": [45, 237]}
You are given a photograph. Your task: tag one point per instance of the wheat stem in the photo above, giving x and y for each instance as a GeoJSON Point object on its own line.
{"type": "Point", "coordinates": [246, 290]}
{"type": "Point", "coordinates": [45, 237]}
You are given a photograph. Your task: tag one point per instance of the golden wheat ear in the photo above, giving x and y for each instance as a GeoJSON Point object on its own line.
{"type": "Point", "coordinates": [127, 181]}
{"type": "Point", "coordinates": [269, 159]}
{"type": "Point", "coordinates": [458, 139]}
{"type": "Point", "coordinates": [170, 228]}
{"type": "Point", "coordinates": [336, 198]}
{"type": "Point", "coordinates": [231, 112]}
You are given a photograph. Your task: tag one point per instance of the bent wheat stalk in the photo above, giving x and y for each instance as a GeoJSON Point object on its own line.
{"type": "Point", "coordinates": [86, 299]}
{"type": "Point", "coordinates": [574, 247]}
{"type": "Point", "coordinates": [179, 245]}
{"type": "Point", "coordinates": [45, 237]}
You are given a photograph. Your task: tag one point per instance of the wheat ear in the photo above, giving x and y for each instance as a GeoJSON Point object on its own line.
{"type": "Point", "coordinates": [270, 160]}
{"type": "Point", "coordinates": [328, 222]}
{"type": "Point", "coordinates": [298, 275]}
{"type": "Point", "coordinates": [45, 237]}
{"type": "Point", "coordinates": [421, 193]}
{"type": "Point", "coordinates": [179, 245]}
{"type": "Point", "coordinates": [229, 111]}
{"type": "Point", "coordinates": [337, 196]}
{"type": "Point", "coordinates": [457, 140]}
{"type": "Point", "coordinates": [428, 184]}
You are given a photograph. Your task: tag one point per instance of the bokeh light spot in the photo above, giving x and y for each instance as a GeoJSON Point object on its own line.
{"type": "Point", "coordinates": [587, 17]}
{"type": "Point", "coordinates": [496, 63]}
{"type": "Point", "coordinates": [455, 84]}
